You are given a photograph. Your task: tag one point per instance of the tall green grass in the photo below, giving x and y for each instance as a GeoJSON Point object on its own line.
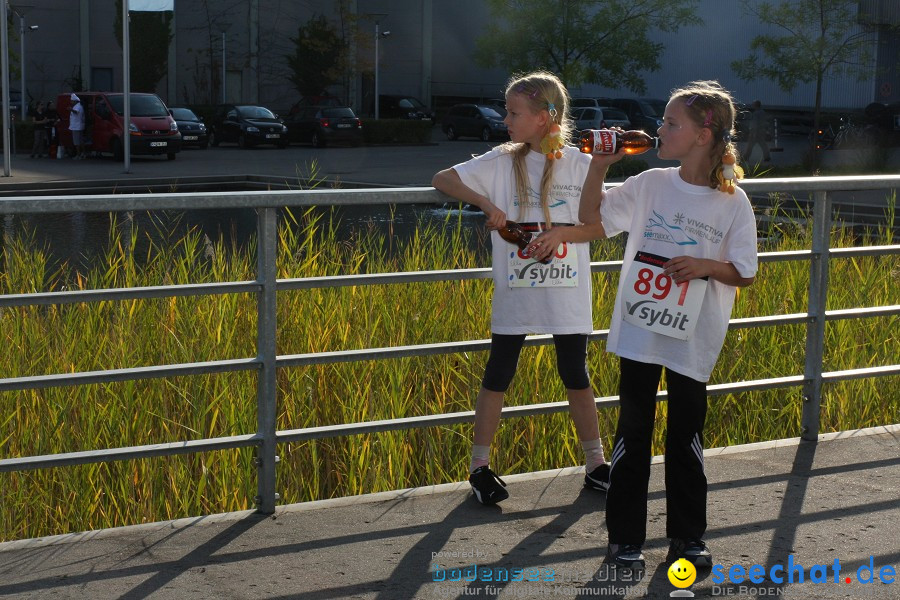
{"type": "Point", "coordinates": [106, 335]}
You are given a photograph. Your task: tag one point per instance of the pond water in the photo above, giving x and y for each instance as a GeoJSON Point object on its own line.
{"type": "Point", "coordinates": [80, 240]}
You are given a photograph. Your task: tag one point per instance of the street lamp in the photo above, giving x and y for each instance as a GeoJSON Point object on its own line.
{"type": "Point", "coordinates": [223, 67]}
{"type": "Point", "coordinates": [378, 35]}
{"type": "Point", "coordinates": [22, 30]}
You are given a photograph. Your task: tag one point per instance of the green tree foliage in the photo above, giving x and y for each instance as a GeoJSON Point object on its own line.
{"type": "Point", "coordinates": [151, 33]}
{"type": "Point", "coordinates": [583, 41]}
{"type": "Point", "coordinates": [317, 60]}
{"type": "Point", "coordinates": [815, 40]}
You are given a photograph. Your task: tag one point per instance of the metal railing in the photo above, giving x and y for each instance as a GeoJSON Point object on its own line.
{"type": "Point", "coordinates": [266, 286]}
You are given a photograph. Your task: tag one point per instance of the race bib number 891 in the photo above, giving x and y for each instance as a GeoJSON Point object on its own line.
{"type": "Point", "coordinates": [654, 302]}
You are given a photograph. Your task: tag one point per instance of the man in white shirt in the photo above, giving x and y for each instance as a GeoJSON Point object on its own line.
{"type": "Point", "coordinates": [76, 126]}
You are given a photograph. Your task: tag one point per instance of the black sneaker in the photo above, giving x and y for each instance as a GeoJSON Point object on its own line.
{"type": "Point", "coordinates": [626, 556]}
{"type": "Point", "coordinates": [484, 485]}
{"type": "Point", "coordinates": [692, 550]}
{"type": "Point", "coordinates": [598, 479]}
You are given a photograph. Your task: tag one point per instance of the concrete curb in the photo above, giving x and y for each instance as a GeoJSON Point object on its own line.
{"type": "Point", "coordinates": [75, 538]}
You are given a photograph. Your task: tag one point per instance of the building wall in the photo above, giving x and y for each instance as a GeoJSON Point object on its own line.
{"type": "Point", "coordinates": [428, 54]}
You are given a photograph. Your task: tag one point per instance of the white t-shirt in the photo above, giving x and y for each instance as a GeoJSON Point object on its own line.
{"type": "Point", "coordinates": [76, 117]}
{"type": "Point", "coordinates": [666, 216]}
{"type": "Point", "coordinates": [518, 310]}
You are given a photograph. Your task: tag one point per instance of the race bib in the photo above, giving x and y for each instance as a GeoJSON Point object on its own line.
{"type": "Point", "coordinates": [525, 272]}
{"type": "Point", "coordinates": [652, 301]}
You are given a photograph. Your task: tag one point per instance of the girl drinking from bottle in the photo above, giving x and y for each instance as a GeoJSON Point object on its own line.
{"type": "Point", "coordinates": [536, 179]}
{"type": "Point", "coordinates": [691, 243]}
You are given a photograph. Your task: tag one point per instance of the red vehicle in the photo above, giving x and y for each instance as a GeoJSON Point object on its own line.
{"type": "Point", "coordinates": [152, 129]}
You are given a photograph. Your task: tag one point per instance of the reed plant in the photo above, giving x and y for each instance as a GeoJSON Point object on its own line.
{"type": "Point", "coordinates": [107, 335]}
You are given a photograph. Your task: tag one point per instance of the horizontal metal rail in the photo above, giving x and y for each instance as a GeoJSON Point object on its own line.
{"type": "Point", "coordinates": [265, 200]}
{"type": "Point", "coordinates": [345, 197]}
{"type": "Point", "coordinates": [399, 424]}
{"type": "Point", "coordinates": [69, 459]}
{"type": "Point", "coordinates": [338, 281]}
{"type": "Point", "coordinates": [112, 375]}
{"type": "Point", "coordinates": [389, 352]}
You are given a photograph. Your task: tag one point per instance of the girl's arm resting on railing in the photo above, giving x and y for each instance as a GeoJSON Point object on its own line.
{"type": "Point", "coordinates": [449, 182]}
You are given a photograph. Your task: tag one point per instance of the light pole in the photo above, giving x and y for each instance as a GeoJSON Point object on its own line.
{"type": "Point", "coordinates": [223, 67]}
{"type": "Point", "coordinates": [4, 73]}
{"type": "Point", "coordinates": [22, 30]}
{"type": "Point", "coordinates": [378, 35]}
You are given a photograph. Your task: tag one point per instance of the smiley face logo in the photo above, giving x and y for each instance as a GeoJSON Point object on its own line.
{"type": "Point", "coordinates": [682, 573]}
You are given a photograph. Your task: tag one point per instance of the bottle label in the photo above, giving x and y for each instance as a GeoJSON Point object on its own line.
{"type": "Point", "coordinates": [604, 141]}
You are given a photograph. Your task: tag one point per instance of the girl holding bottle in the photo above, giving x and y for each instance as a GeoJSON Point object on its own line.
{"type": "Point", "coordinates": [691, 244]}
{"type": "Point", "coordinates": [536, 179]}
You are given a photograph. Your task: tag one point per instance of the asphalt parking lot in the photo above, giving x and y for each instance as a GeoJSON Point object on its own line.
{"type": "Point", "coordinates": [364, 166]}
{"type": "Point", "coordinates": [411, 165]}
{"type": "Point", "coordinates": [401, 165]}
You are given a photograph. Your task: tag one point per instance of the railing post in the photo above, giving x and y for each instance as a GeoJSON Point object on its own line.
{"type": "Point", "coordinates": [266, 328]}
{"type": "Point", "coordinates": [815, 326]}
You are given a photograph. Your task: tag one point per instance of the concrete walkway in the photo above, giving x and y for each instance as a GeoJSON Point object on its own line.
{"type": "Point", "coordinates": [800, 507]}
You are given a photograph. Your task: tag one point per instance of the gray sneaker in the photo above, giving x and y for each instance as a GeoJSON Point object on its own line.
{"type": "Point", "coordinates": [626, 556]}
{"type": "Point", "coordinates": [692, 550]}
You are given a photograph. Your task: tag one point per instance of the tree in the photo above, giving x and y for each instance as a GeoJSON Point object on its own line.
{"type": "Point", "coordinates": [151, 33]}
{"type": "Point", "coordinates": [318, 57]}
{"type": "Point", "coordinates": [582, 40]}
{"type": "Point", "coordinates": [819, 39]}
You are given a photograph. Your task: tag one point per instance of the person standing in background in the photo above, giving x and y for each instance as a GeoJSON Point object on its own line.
{"type": "Point", "coordinates": [50, 129]}
{"type": "Point", "coordinates": [758, 133]}
{"type": "Point", "coordinates": [39, 120]}
{"type": "Point", "coordinates": [76, 126]}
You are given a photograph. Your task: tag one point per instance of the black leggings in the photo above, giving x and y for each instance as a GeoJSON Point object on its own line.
{"type": "Point", "coordinates": [686, 487]}
{"type": "Point", "coordinates": [571, 361]}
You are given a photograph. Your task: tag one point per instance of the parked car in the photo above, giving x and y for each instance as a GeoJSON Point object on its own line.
{"type": "Point", "coordinates": [473, 120]}
{"type": "Point", "coordinates": [403, 107]}
{"type": "Point", "coordinates": [315, 101]}
{"type": "Point", "coordinates": [152, 129]}
{"type": "Point", "coordinates": [247, 125]}
{"type": "Point", "coordinates": [15, 104]}
{"type": "Point", "coordinates": [601, 117]}
{"type": "Point", "coordinates": [593, 102]}
{"type": "Point", "coordinates": [644, 113]}
{"type": "Point", "coordinates": [324, 125]}
{"type": "Point", "coordinates": [886, 119]}
{"type": "Point", "coordinates": [192, 127]}
{"type": "Point", "coordinates": [498, 104]}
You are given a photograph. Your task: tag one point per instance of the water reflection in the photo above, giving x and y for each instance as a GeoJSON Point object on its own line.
{"type": "Point", "coordinates": [80, 241]}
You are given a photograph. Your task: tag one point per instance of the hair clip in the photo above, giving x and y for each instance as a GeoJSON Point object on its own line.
{"type": "Point", "coordinates": [551, 108]}
{"type": "Point", "coordinates": [521, 89]}
{"type": "Point", "coordinates": [690, 100]}
{"type": "Point", "coordinates": [708, 120]}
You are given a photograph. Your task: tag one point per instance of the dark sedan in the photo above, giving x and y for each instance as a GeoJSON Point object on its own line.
{"type": "Point", "coordinates": [192, 127]}
{"type": "Point", "coordinates": [473, 120]}
{"type": "Point", "coordinates": [248, 126]}
{"type": "Point", "coordinates": [323, 125]}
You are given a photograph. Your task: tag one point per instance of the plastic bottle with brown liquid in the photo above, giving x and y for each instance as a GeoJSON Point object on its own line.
{"type": "Point", "coordinates": [608, 141]}
{"type": "Point", "coordinates": [515, 234]}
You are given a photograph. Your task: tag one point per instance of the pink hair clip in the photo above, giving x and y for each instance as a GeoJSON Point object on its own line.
{"type": "Point", "coordinates": [708, 120]}
{"type": "Point", "coordinates": [521, 89]}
